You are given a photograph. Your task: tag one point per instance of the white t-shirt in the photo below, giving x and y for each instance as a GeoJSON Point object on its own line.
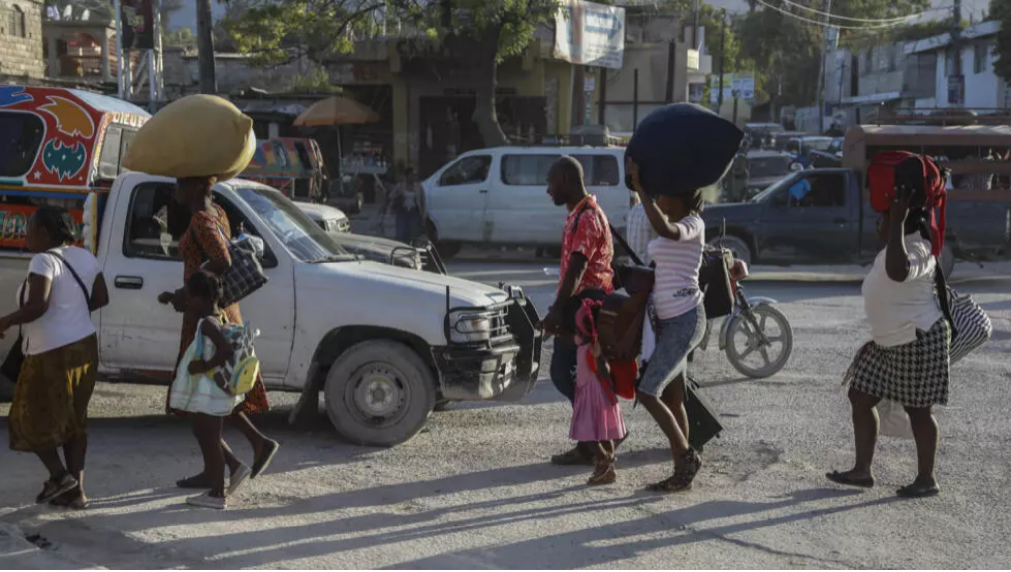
{"type": "Point", "coordinates": [895, 310]}
{"type": "Point", "coordinates": [68, 319]}
{"type": "Point", "coordinates": [676, 290]}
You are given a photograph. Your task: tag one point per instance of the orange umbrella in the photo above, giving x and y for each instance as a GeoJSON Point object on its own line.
{"type": "Point", "coordinates": [336, 111]}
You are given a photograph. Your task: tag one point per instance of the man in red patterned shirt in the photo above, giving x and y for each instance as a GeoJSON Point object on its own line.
{"type": "Point", "coordinates": [587, 252]}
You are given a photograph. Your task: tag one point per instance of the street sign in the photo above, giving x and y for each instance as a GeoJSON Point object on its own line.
{"type": "Point", "coordinates": [590, 34]}
{"type": "Point", "coordinates": [590, 85]}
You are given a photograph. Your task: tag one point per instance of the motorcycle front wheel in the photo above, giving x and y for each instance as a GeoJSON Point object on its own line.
{"type": "Point", "coordinates": [761, 352]}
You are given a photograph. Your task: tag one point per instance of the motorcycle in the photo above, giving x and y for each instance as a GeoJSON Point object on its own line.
{"type": "Point", "coordinates": [756, 337]}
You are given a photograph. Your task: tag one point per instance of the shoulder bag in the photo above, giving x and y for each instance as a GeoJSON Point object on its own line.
{"type": "Point", "coordinates": [11, 367]}
{"type": "Point", "coordinates": [244, 276]}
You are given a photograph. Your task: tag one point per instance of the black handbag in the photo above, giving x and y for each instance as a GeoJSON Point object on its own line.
{"type": "Point", "coordinates": [11, 367]}
{"type": "Point", "coordinates": [244, 276]}
{"type": "Point", "coordinates": [714, 278]}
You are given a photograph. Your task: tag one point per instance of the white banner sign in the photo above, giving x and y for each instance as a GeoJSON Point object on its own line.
{"type": "Point", "coordinates": [734, 85]}
{"type": "Point", "coordinates": [590, 34]}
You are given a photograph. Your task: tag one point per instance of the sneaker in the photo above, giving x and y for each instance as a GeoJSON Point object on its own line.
{"type": "Point", "coordinates": [575, 456]}
{"type": "Point", "coordinates": [238, 478]}
{"type": "Point", "coordinates": [266, 456]}
{"type": "Point", "coordinates": [207, 501]}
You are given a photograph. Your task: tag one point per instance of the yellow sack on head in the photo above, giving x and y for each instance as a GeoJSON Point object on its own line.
{"type": "Point", "coordinates": [196, 136]}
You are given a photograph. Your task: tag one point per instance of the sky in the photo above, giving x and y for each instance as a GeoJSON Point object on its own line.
{"type": "Point", "coordinates": [187, 16]}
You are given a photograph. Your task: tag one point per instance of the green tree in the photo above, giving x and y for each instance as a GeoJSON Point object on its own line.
{"type": "Point", "coordinates": [1000, 10]}
{"type": "Point", "coordinates": [478, 34]}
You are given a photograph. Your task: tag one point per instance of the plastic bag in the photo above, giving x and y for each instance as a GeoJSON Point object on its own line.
{"type": "Point", "coordinates": [894, 420]}
{"type": "Point", "coordinates": [196, 136]}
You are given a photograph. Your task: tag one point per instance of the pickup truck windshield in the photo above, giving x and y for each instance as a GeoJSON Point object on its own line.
{"type": "Point", "coordinates": [305, 240]}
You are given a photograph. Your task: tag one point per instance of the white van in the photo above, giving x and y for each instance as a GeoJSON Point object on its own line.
{"type": "Point", "coordinates": [499, 197]}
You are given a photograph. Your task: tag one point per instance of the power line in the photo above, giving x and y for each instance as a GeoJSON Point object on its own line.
{"type": "Point", "coordinates": [824, 25]}
{"type": "Point", "coordinates": [868, 20]}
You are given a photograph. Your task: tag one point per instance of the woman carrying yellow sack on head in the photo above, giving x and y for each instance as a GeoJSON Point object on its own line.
{"type": "Point", "coordinates": [201, 140]}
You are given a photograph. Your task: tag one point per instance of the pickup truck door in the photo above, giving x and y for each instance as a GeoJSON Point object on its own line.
{"type": "Point", "coordinates": [140, 259]}
{"type": "Point", "coordinates": [457, 199]}
{"type": "Point", "coordinates": [812, 224]}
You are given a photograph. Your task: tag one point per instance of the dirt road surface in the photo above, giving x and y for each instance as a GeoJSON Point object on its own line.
{"type": "Point", "coordinates": [474, 489]}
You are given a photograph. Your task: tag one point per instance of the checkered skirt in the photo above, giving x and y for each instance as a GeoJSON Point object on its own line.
{"type": "Point", "coordinates": [914, 374]}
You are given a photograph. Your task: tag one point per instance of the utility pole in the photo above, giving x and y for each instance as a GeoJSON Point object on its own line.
{"type": "Point", "coordinates": [205, 47]}
{"type": "Point", "coordinates": [822, 68]}
{"type": "Point", "coordinates": [695, 26]}
{"type": "Point", "coordinates": [956, 55]}
{"type": "Point", "coordinates": [671, 57]}
{"type": "Point", "coordinates": [723, 54]}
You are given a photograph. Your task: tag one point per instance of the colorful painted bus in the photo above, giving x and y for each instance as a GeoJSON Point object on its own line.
{"type": "Point", "coordinates": [292, 165]}
{"type": "Point", "coordinates": [59, 146]}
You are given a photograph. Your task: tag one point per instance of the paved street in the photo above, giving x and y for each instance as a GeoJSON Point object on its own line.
{"type": "Point", "coordinates": [474, 490]}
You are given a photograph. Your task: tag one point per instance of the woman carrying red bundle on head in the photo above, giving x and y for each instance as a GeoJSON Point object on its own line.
{"type": "Point", "coordinates": [596, 414]}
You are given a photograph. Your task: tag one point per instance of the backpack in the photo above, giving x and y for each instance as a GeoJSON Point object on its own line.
{"type": "Point", "coordinates": [243, 369]}
{"type": "Point", "coordinates": [891, 169]}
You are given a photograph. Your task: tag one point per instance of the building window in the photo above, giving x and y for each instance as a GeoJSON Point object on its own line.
{"type": "Point", "coordinates": [15, 23]}
{"type": "Point", "coordinates": [979, 57]}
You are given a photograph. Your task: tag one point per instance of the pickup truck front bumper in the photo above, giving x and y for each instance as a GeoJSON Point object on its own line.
{"type": "Point", "coordinates": [505, 367]}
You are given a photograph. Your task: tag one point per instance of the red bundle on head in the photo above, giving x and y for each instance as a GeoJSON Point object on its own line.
{"type": "Point", "coordinates": [893, 169]}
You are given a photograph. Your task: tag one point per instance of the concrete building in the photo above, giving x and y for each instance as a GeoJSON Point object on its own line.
{"type": "Point", "coordinates": [984, 89]}
{"type": "Point", "coordinates": [915, 76]}
{"type": "Point", "coordinates": [21, 42]}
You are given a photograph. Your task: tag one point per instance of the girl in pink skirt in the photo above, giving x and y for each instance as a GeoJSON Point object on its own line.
{"type": "Point", "coordinates": [596, 414]}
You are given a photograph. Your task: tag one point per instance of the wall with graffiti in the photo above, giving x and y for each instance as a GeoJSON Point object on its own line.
{"type": "Point", "coordinates": [49, 137]}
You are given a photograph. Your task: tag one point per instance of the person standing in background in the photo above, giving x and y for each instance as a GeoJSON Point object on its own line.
{"type": "Point", "coordinates": [407, 201]}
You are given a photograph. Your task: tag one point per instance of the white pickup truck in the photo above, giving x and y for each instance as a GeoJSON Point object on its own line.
{"type": "Point", "coordinates": [385, 344]}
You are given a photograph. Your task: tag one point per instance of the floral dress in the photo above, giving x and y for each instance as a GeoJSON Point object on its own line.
{"type": "Point", "coordinates": [205, 240]}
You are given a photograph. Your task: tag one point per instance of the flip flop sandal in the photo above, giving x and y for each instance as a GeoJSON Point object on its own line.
{"type": "Point", "coordinates": [671, 484]}
{"type": "Point", "coordinates": [917, 491]}
{"type": "Point", "coordinates": [844, 479]}
{"type": "Point", "coordinates": [74, 502]}
{"type": "Point", "coordinates": [261, 463]}
{"type": "Point", "coordinates": [195, 482]}
{"type": "Point", "coordinates": [56, 487]}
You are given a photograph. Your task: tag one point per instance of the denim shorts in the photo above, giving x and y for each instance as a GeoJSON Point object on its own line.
{"type": "Point", "coordinates": [677, 337]}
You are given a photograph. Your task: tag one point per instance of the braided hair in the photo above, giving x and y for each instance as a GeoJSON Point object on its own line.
{"type": "Point", "coordinates": [204, 285]}
{"type": "Point", "coordinates": [57, 222]}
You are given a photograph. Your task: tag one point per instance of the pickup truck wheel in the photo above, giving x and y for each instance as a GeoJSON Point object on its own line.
{"type": "Point", "coordinates": [736, 246]}
{"type": "Point", "coordinates": [379, 393]}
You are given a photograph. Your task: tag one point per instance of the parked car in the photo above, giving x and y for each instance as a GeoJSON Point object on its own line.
{"type": "Point", "coordinates": [499, 196]}
{"type": "Point", "coordinates": [829, 158]}
{"type": "Point", "coordinates": [801, 147]}
{"type": "Point", "coordinates": [759, 133]}
{"type": "Point", "coordinates": [328, 218]}
{"type": "Point", "coordinates": [421, 256]}
{"type": "Point", "coordinates": [766, 168]}
{"type": "Point", "coordinates": [779, 141]}
{"type": "Point", "coordinates": [833, 222]}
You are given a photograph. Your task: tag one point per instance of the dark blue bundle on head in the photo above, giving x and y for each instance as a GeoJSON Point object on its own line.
{"type": "Point", "coordinates": [683, 147]}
